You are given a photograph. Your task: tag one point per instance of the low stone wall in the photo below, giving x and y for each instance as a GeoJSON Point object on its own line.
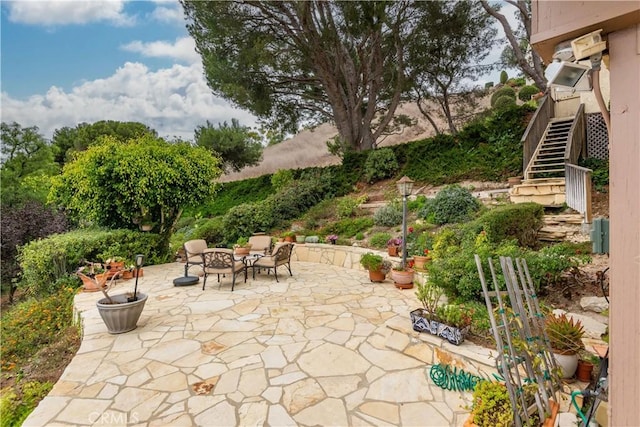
{"type": "Point", "coordinates": [422, 346]}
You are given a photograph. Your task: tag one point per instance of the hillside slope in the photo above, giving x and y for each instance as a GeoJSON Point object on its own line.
{"type": "Point", "coordinates": [308, 148]}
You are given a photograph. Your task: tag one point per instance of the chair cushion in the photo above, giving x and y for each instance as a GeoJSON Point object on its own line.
{"type": "Point", "coordinates": [237, 266]}
{"type": "Point", "coordinates": [266, 262]}
{"type": "Point", "coordinates": [195, 247]}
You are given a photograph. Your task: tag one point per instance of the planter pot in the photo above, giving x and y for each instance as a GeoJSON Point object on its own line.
{"type": "Point", "coordinates": [138, 273]}
{"type": "Point", "coordinates": [583, 373]}
{"type": "Point", "coordinates": [451, 333]}
{"type": "Point", "coordinates": [300, 239]}
{"type": "Point", "coordinates": [242, 251]}
{"type": "Point", "coordinates": [146, 227]}
{"type": "Point", "coordinates": [392, 250]}
{"type": "Point", "coordinates": [122, 316]}
{"type": "Point", "coordinates": [568, 363]}
{"type": "Point", "coordinates": [290, 239]}
{"type": "Point", "coordinates": [127, 274]}
{"type": "Point", "coordinates": [94, 284]}
{"type": "Point", "coordinates": [377, 275]}
{"type": "Point", "coordinates": [420, 262]}
{"type": "Point", "coordinates": [402, 279]}
{"type": "Point", "coordinates": [113, 268]}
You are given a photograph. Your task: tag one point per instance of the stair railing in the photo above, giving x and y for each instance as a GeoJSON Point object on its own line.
{"type": "Point", "coordinates": [535, 130]}
{"type": "Point", "coordinates": [577, 138]}
{"type": "Point", "coordinates": [578, 189]}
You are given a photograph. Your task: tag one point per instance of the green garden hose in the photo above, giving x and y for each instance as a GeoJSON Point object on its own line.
{"type": "Point", "coordinates": [453, 380]}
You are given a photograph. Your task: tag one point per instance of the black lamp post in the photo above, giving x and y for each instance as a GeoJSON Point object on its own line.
{"type": "Point", "coordinates": [139, 262]}
{"type": "Point", "coordinates": [405, 185]}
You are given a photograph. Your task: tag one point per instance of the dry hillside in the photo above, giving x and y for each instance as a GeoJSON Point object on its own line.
{"type": "Point", "coordinates": [308, 148]}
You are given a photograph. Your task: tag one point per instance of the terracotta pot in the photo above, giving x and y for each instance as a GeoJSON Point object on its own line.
{"type": "Point", "coordinates": [583, 373]}
{"type": "Point", "coordinates": [420, 262]}
{"type": "Point", "coordinates": [113, 268]}
{"type": "Point", "coordinates": [242, 251]}
{"type": "Point", "coordinates": [289, 239]}
{"type": "Point", "coordinates": [402, 279]}
{"type": "Point", "coordinates": [127, 274]}
{"type": "Point", "coordinates": [392, 250]}
{"type": "Point", "coordinates": [93, 284]}
{"type": "Point", "coordinates": [135, 272]}
{"type": "Point", "coordinates": [377, 276]}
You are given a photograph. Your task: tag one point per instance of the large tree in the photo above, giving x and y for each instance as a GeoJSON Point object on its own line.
{"type": "Point", "coordinates": [307, 61]}
{"type": "Point", "coordinates": [68, 140]}
{"type": "Point", "coordinates": [238, 146]}
{"type": "Point", "coordinates": [519, 52]}
{"type": "Point", "coordinates": [455, 37]}
{"type": "Point", "coordinates": [117, 184]}
{"type": "Point", "coordinates": [27, 164]}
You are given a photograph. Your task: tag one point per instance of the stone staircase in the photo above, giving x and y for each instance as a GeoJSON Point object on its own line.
{"type": "Point", "coordinates": [544, 178]}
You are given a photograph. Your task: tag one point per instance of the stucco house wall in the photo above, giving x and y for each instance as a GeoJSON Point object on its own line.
{"type": "Point", "coordinates": [557, 21]}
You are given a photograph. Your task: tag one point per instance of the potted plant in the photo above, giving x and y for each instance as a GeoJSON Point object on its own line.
{"type": "Point", "coordinates": [94, 277]}
{"type": "Point", "coordinates": [403, 276]}
{"type": "Point", "coordinates": [586, 364]}
{"type": "Point", "coordinates": [114, 265]}
{"type": "Point", "coordinates": [242, 246]}
{"type": "Point", "coordinates": [289, 236]}
{"type": "Point", "coordinates": [421, 260]}
{"type": "Point", "coordinates": [565, 338]}
{"type": "Point", "coordinates": [121, 312]}
{"type": "Point", "coordinates": [332, 239]}
{"type": "Point", "coordinates": [376, 265]}
{"type": "Point", "coordinates": [393, 245]}
{"type": "Point", "coordinates": [451, 322]}
{"type": "Point", "coordinates": [300, 238]}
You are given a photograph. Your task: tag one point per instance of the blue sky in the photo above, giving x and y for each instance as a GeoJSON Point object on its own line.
{"type": "Point", "coordinates": [66, 62]}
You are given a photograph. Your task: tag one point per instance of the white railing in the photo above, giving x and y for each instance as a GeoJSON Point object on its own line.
{"type": "Point", "coordinates": [578, 189]}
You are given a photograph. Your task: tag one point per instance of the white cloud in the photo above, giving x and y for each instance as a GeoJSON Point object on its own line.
{"type": "Point", "coordinates": [64, 12]}
{"type": "Point", "coordinates": [172, 101]}
{"type": "Point", "coordinates": [183, 49]}
{"type": "Point", "coordinates": [172, 14]}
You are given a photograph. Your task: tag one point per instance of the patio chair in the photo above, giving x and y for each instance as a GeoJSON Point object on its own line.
{"type": "Point", "coordinates": [193, 253]}
{"type": "Point", "coordinates": [281, 255]}
{"type": "Point", "coordinates": [260, 245]}
{"type": "Point", "coordinates": [220, 261]}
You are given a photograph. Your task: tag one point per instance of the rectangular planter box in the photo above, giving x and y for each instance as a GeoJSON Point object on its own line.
{"type": "Point", "coordinates": [450, 333]}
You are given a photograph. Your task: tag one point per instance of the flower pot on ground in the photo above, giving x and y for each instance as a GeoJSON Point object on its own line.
{"type": "Point", "coordinates": [420, 262]}
{"type": "Point", "coordinates": [94, 277]}
{"type": "Point", "coordinates": [121, 312]}
{"type": "Point", "coordinates": [451, 322]}
{"type": "Point", "coordinates": [565, 338]}
{"type": "Point", "coordinates": [376, 265]}
{"type": "Point", "coordinates": [584, 370]}
{"type": "Point", "coordinates": [402, 277]}
{"type": "Point", "coordinates": [114, 265]}
{"type": "Point", "coordinates": [393, 246]}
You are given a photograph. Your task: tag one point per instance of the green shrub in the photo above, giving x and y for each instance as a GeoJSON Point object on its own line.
{"type": "Point", "coordinates": [520, 81]}
{"type": "Point", "coordinates": [348, 227]}
{"type": "Point", "coordinates": [359, 235]}
{"type": "Point", "coordinates": [527, 92]}
{"type": "Point", "coordinates": [452, 204]}
{"type": "Point", "coordinates": [318, 215]}
{"type": "Point", "coordinates": [348, 206]}
{"type": "Point", "coordinates": [46, 260]}
{"type": "Point", "coordinates": [491, 405]}
{"type": "Point", "coordinates": [418, 204]}
{"type": "Point", "coordinates": [503, 77]}
{"type": "Point", "coordinates": [600, 168]}
{"type": "Point", "coordinates": [212, 230]}
{"type": "Point", "coordinates": [504, 102]}
{"type": "Point", "coordinates": [503, 91]}
{"type": "Point", "coordinates": [515, 221]}
{"type": "Point", "coordinates": [379, 240]}
{"type": "Point", "coordinates": [230, 194]}
{"type": "Point", "coordinates": [281, 179]}
{"type": "Point", "coordinates": [16, 407]}
{"type": "Point", "coordinates": [380, 164]}
{"type": "Point", "coordinates": [388, 215]}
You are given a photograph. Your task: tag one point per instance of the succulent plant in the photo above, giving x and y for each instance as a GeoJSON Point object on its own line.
{"type": "Point", "coordinates": [565, 333]}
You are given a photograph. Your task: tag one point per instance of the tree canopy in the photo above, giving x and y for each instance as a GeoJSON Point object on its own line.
{"type": "Point", "coordinates": [290, 62]}
{"type": "Point", "coordinates": [118, 185]}
{"type": "Point", "coordinates": [519, 52]}
{"type": "Point", "coordinates": [238, 146]}
{"type": "Point", "coordinates": [455, 37]}
{"type": "Point", "coordinates": [27, 164]}
{"type": "Point", "coordinates": [69, 140]}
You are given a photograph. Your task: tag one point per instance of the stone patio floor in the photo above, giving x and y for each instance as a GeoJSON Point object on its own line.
{"type": "Point", "coordinates": [313, 349]}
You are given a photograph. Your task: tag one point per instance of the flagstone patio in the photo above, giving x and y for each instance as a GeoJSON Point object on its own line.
{"type": "Point", "coordinates": [324, 347]}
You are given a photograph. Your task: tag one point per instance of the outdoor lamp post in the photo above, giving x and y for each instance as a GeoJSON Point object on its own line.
{"type": "Point", "coordinates": [139, 262]}
{"type": "Point", "coordinates": [405, 185]}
